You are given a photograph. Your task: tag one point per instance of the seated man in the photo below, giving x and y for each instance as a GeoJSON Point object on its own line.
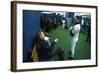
{"type": "Point", "coordinates": [44, 47]}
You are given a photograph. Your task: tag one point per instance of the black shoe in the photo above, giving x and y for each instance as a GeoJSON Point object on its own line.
{"type": "Point", "coordinates": [71, 58]}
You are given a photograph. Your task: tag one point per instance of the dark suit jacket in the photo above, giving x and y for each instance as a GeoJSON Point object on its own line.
{"type": "Point", "coordinates": [45, 50]}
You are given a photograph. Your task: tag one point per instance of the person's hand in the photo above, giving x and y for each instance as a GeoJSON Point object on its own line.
{"type": "Point", "coordinates": [56, 40]}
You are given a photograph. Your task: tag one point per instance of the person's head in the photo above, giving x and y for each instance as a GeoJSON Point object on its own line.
{"type": "Point", "coordinates": [41, 35]}
{"type": "Point", "coordinates": [77, 19]}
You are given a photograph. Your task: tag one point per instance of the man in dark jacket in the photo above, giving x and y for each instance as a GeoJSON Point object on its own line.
{"type": "Point", "coordinates": [45, 47]}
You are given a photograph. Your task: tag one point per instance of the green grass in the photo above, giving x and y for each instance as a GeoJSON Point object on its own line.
{"type": "Point", "coordinates": [82, 50]}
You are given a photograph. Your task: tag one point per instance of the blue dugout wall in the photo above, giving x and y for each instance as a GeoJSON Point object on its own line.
{"type": "Point", "coordinates": [31, 25]}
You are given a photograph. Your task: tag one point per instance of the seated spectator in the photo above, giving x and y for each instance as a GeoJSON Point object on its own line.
{"type": "Point", "coordinates": [44, 47]}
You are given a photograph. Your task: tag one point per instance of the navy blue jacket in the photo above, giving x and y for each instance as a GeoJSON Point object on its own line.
{"type": "Point", "coordinates": [45, 50]}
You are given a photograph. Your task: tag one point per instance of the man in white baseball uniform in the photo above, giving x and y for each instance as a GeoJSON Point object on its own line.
{"type": "Point", "coordinates": [74, 31]}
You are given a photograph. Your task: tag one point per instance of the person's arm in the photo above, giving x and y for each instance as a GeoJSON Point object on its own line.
{"type": "Point", "coordinates": [74, 30]}
{"type": "Point", "coordinates": [53, 43]}
{"type": "Point", "coordinates": [50, 45]}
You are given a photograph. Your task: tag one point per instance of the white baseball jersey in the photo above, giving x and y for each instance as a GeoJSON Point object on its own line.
{"type": "Point", "coordinates": [75, 30]}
